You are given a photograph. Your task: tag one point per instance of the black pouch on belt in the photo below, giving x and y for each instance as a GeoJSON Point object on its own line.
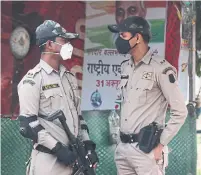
{"type": "Point", "coordinates": [149, 137]}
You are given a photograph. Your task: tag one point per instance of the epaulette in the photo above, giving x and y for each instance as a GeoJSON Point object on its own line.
{"type": "Point", "coordinates": [31, 73]}
{"type": "Point", "coordinates": [160, 60]}
{"type": "Point", "coordinates": [165, 66]}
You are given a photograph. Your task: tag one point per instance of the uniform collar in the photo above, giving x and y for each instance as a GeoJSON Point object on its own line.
{"type": "Point", "coordinates": [46, 66]}
{"type": "Point", "coordinates": [146, 59]}
{"type": "Point", "coordinates": [49, 69]}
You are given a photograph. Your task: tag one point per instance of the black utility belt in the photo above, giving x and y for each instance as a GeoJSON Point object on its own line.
{"type": "Point", "coordinates": [128, 138]}
{"type": "Point", "coordinates": [43, 149]}
{"type": "Point", "coordinates": [148, 137]}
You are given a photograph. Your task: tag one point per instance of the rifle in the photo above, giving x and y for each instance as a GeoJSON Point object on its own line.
{"type": "Point", "coordinates": [83, 165]}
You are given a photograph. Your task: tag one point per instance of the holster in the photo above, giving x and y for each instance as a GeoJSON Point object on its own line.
{"type": "Point", "coordinates": [149, 137]}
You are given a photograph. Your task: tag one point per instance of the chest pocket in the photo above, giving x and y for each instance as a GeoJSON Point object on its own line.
{"type": "Point", "coordinates": [51, 99]}
{"type": "Point", "coordinates": [144, 91]}
{"type": "Point", "coordinates": [123, 88]}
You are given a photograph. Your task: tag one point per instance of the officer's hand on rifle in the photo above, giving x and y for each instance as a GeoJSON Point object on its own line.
{"type": "Point", "coordinates": [64, 154]}
{"type": "Point", "coordinates": [90, 147]}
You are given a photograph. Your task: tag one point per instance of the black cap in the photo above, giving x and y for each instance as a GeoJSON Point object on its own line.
{"type": "Point", "coordinates": [133, 24]}
{"type": "Point", "coordinates": [50, 29]}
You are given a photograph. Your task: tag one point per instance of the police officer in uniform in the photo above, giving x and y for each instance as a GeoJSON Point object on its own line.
{"type": "Point", "coordinates": [148, 85]}
{"type": "Point", "coordinates": [46, 88]}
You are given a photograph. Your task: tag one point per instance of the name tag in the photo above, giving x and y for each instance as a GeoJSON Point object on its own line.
{"type": "Point", "coordinates": [50, 86]}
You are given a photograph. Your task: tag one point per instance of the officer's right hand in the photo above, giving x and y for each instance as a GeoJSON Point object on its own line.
{"type": "Point", "coordinates": [64, 154]}
{"type": "Point", "coordinates": [158, 152]}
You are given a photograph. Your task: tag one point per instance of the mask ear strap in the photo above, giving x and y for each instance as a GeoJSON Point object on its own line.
{"type": "Point", "coordinates": [131, 37]}
{"type": "Point", "coordinates": [135, 43]}
{"type": "Point", "coordinates": [56, 43]}
{"type": "Point", "coordinates": [137, 39]}
{"type": "Point", "coordinates": [51, 53]}
{"type": "Point", "coordinates": [42, 44]}
{"type": "Point", "coordinates": [134, 46]}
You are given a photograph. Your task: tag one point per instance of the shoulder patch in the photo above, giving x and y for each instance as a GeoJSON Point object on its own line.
{"type": "Point", "coordinates": [171, 78]}
{"type": "Point", "coordinates": [31, 82]}
{"type": "Point", "coordinates": [167, 69]}
{"type": "Point", "coordinates": [171, 74]}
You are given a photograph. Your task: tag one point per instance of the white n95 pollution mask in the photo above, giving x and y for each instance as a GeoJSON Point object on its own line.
{"type": "Point", "coordinates": [65, 52]}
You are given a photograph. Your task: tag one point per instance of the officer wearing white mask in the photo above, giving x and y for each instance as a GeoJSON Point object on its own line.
{"type": "Point", "coordinates": [45, 89]}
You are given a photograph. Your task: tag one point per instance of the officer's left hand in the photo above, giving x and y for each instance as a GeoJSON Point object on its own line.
{"type": "Point", "coordinates": [158, 152]}
{"type": "Point", "coordinates": [90, 147]}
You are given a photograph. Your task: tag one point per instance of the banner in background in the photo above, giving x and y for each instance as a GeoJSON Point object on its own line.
{"type": "Point", "coordinates": [101, 69]}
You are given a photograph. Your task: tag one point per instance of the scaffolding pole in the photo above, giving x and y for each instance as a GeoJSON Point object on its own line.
{"type": "Point", "coordinates": [189, 21]}
{"type": "Point", "coordinates": [192, 55]}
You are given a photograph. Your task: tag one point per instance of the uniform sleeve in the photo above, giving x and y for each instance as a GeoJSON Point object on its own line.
{"type": "Point", "coordinates": [29, 98]}
{"type": "Point", "coordinates": [78, 98]}
{"type": "Point", "coordinates": [83, 128]}
{"type": "Point", "coordinates": [169, 86]}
